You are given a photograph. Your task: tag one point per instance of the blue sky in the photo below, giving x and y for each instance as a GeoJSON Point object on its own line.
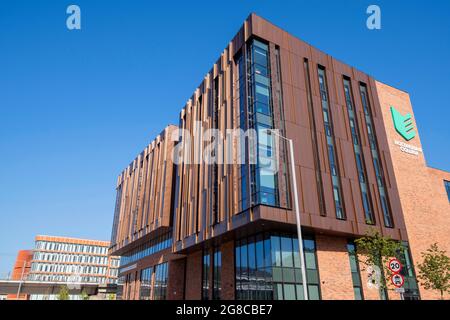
{"type": "Point", "coordinates": [77, 106]}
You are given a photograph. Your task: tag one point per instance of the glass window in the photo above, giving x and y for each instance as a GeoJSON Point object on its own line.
{"type": "Point", "coordinates": [217, 274]}
{"type": "Point", "coordinates": [262, 108]}
{"type": "Point", "coordinates": [279, 292]}
{"type": "Point", "coordinates": [297, 263]}
{"type": "Point", "coordinates": [358, 293]}
{"type": "Point", "coordinates": [251, 256]}
{"type": "Point", "coordinates": [354, 267]}
{"type": "Point", "coordinates": [262, 80]}
{"type": "Point", "coordinates": [313, 292]}
{"type": "Point", "coordinates": [408, 272]}
{"type": "Point", "coordinates": [289, 292]}
{"type": "Point", "coordinates": [367, 208]}
{"type": "Point", "coordinates": [375, 155]}
{"type": "Point", "coordinates": [145, 284]}
{"type": "Point", "coordinates": [280, 277]}
{"type": "Point", "coordinates": [286, 252]}
{"type": "Point", "coordinates": [276, 251]}
{"type": "Point", "coordinates": [299, 291]}
{"type": "Point", "coordinates": [256, 76]}
{"type": "Point", "coordinates": [447, 188]}
{"type": "Point", "coordinates": [205, 276]}
{"type": "Point", "coordinates": [160, 286]}
{"type": "Point", "coordinates": [259, 246]}
{"type": "Point", "coordinates": [267, 252]}
{"type": "Point", "coordinates": [260, 70]}
{"type": "Point", "coordinates": [267, 180]}
{"type": "Point", "coordinates": [260, 56]}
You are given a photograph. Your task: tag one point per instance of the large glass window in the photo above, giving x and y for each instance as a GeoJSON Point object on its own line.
{"type": "Point", "coordinates": [263, 186]}
{"type": "Point", "coordinates": [408, 272]}
{"type": "Point", "coordinates": [359, 156]}
{"type": "Point", "coordinates": [151, 247]}
{"type": "Point", "coordinates": [376, 159]}
{"type": "Point", "coordinates": [354, 267]}
{"type": "Point", "coordinates": [244, 169]}
{"type": "Point", "coordinates": [268, 267]}
{"type": "Point", "coordinates": [332, 157]}
{"type": "Point", "coordinates": [160, 287]}
{"type": "Point", "coordinates": [315, 145]}
{"type": "Point", "coordinates": [146, 284]}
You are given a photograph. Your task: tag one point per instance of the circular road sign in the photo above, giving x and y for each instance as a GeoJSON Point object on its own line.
{"type": "Point", "coordinates": [398, 280]}
{"type": "Point", "coordinates": [395, 265]}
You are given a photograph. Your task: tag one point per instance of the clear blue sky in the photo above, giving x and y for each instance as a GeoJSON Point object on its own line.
{"type": "Point", "coordinates": [77, 106]}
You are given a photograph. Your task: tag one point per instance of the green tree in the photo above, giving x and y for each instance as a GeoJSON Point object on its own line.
{"type": "Point", "coordinates": [377, 250]}
{"type": "Point", "coordinates": [63, 293]}
{"type": "Point", "coordinates": [84, 295]}
{"type": "Point", "coordinates": [434, 271]}
{"type": "Point", "coordinates": [111, 296]}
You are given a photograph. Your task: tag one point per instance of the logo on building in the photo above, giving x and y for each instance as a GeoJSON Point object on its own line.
{"type": "Point", "coordinates": [403, 124]}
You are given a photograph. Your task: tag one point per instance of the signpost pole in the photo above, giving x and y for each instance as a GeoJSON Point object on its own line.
{"type": "Point", "coordinates": [21, 279]}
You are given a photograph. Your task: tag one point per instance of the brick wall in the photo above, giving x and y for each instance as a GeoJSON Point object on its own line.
{"type": "Point", "coordinates": [194, 276]}
{"type": "Point", "coordinates": [423, 199]}
{"type": "Point", "coordinates": [228, 277]}
{"type": "Point", "coordinates": [175, 285]}
{"type": "Point", "coordinates": [334, 268]}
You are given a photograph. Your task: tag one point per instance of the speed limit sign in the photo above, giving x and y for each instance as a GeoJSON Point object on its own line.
{"type": "Point", "coordinates": [395, 266]}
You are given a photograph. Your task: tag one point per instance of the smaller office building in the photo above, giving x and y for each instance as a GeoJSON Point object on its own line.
{"type": "Point", "coordinates": [67, 260]}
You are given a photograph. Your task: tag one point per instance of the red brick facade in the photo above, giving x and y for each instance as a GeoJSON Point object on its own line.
{"type": "Point", "coordinates": [424, 201]}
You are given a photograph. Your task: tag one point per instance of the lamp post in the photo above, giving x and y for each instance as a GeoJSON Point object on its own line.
{"type": "Point", "coordinates": [297, 213]}
{"type": "Point", "coordinates": [21, 279]}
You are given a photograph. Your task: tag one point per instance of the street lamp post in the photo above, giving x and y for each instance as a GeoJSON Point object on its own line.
{"type": "Point", "coordinates": [21, 279]}
{"type": "Point", "coordinates": [297, 214]}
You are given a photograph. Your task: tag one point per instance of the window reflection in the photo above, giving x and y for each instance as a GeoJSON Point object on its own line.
{"type": "Point", "coordinates": [268, 267]}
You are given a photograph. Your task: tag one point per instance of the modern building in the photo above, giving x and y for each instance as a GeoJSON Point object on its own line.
{"type": "Point", "coordinates": [189, 229]}
{"type": "Point", "coordinates": [71, 260]}
{"type": "Point", "coordinates": [21, 269]}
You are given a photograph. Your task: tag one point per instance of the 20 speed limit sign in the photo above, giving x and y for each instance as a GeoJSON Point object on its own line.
{"type": "Point", "coordinates": [395, 266]}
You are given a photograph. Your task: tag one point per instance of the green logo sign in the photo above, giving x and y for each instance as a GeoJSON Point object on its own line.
{"type": "Point", "coordinates": [403, 124]}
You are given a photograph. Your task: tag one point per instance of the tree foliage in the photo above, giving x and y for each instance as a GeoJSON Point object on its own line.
{"type": "Point", "coordinates": [377, 250]}
{"type": "Point", "coordinates": [63, 293]}
{"type": "Point", "coordinates": [84, 295]}
{"type": "Point", "coordinates": [434, 271]}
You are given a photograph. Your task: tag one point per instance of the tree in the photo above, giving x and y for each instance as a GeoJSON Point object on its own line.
{"type": "Point", "coordinates": [84, 295]}
{"type": "Point", "coordinates": [111, 296]}
{"type": "Point", "coordinates": [63, 293]}
{"type": "Point", "coordinates": [434, 271]}
{"type": "Point", "coordinates": [377, 250]}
